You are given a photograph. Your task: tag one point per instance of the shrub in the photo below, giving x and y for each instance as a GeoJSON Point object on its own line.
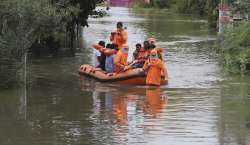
{"type": "Point", "coordinates": [236, 48]}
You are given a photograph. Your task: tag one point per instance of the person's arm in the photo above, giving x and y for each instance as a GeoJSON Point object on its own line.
{"type": "Point", "coordinates": [108, 52]}
{"type": "Point", "coordinates": [146, 65]}
{"type": "Point", "coordinates": [160, 53]}
{"type": "Point", "coordinates": [165, 71]}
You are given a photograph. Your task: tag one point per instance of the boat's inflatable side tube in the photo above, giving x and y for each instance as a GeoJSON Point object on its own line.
{"type": "Point", "coordinates": [105, 77]}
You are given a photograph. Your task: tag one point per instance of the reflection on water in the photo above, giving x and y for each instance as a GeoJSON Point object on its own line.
{"type": "Point", "coordinates": [201, 106]}
{"type": "Point", "coordinates": [146, 100]}
{"type": "Point", "coordinates": [153, 115]}
{"type": "Point", "coordinates": [128, 113]}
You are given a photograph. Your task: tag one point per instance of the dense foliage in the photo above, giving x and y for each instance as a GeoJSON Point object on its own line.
{"type": "Point", "coordinates": [26, 24]}
{"type": "Point", "coordinates": [236, 48]}
{"type": "Point", "coordinates": [206, 8]}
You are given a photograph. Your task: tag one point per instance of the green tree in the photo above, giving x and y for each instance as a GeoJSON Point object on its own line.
{"type": "Point", "coordinates": [24, 23]}
{"type": "Point", "coordinates": [212, 12]}
{"type": "Point", "coordinates": [236, 48]}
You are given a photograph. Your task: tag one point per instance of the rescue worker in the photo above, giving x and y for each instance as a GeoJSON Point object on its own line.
{"type": "Point", "coordinates": [119, 36]}
{"type": "Point", "coordinates": [154, 68]}
{"type": "Point", "coordinates": [120, 60]}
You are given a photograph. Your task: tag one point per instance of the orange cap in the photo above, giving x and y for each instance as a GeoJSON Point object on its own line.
{"type": "Point", "coordinates": [97, 46]}
{"type": "Point", "coordinates": [151, 40]}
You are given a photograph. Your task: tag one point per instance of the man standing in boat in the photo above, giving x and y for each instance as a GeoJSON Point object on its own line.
{"type": "Point", "coordinates": [119, 36]}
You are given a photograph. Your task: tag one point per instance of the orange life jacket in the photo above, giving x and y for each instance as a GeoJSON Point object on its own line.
{"type": "Point", "coordinates": [120, 38]}
{"type": "Point", "coordinates": [120, 59]}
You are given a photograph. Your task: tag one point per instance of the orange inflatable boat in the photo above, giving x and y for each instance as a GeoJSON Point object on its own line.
{"type": "Point", "coordinates": [132, 77]}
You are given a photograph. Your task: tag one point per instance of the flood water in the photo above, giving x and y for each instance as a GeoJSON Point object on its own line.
{"type": "Point", "coordinates": [202, 105]}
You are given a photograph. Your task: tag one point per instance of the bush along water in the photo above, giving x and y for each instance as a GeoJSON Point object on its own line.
{"type": "Point", "coordinates": [34, 24]}
{"type": "Point", "coordinates": [205, 8]}
{"type": "Point", "coordinates": [236, 48]}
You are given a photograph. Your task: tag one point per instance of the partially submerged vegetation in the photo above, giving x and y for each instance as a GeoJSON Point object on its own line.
{"type": "Point", "coordinates": [38, 24]}
{"type": "Point", "coordinates": [236, 48]}
{"type": "Point", "coordinates": [235, 45]}
{"type": "Point", "coordinates": [205, 8]}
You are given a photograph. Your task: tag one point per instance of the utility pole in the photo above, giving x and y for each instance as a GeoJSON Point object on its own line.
{"type": "Point", "coordinates": [147, 1]}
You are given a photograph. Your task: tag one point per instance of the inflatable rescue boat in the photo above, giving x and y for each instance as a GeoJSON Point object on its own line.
{"type": "Point", "coordinates": [135, 76]}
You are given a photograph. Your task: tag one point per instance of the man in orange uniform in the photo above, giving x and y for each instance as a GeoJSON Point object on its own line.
{"type": "Point", "coordinates": [120, 36]}
{"type": "Point", "coordinates": [121, 57]}
{"type": "Point", "coordinates": [154, 67]}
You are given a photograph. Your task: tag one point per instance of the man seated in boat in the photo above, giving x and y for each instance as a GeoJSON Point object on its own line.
{"type": "Point", "coordinates": [136, 52]}
{"type": "Point", "coordinates": [142, 56]}
{"type": "Point", "coordinates": [119, 36]}
{"type": "Point", "coordinates": [155, 68]}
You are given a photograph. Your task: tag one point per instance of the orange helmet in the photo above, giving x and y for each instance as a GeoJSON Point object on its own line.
{"type": "Point", "coordinates": [150, 40]}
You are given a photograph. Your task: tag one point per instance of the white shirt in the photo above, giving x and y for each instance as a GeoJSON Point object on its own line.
{"type": "Point", "coordinates": [96, 62]}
